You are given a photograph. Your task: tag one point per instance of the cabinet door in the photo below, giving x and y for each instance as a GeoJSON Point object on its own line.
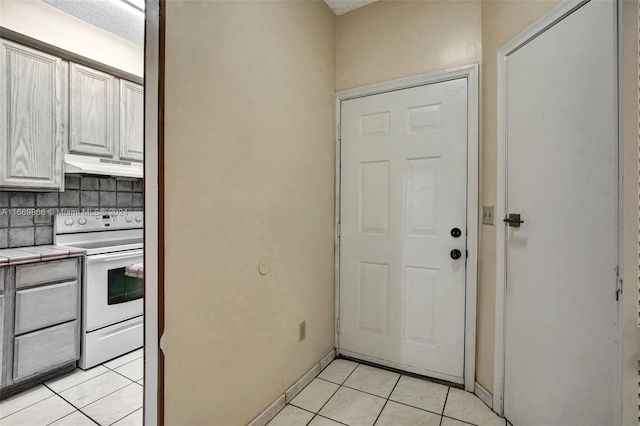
{"type": "Point", "coordinates": [131, 121]}
{"type": "Point", "coordinates": [43, 350]}
{"type": "Point", "coordinates": [92, 114]}
{"type": "Point", "coordinates": [32, 117]}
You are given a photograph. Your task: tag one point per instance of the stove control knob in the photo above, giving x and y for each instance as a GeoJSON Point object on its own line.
{"type": "Point", "coordinates": [138, 219]}
{"type": "Point", "coordinates": [128, 219]}
{"type": "Point", "coordinates": [68, 222]}
{"type": "Point", "coordinates": [82, 221]}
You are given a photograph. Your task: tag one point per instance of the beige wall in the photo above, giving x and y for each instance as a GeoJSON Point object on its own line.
{"type": "Point", "coordinates": [235, 118]}
{"type": "Point", "coordinates": [501, 22]}
{"type": "Point", "coordinates": [45, 23]}
{"type": "Point", "coordinates": [392, 39]}
{"type": "Point", "coordinates": [249, 174]}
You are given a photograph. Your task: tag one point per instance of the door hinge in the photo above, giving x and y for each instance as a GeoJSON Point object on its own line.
{"type": "Point", "coordinates": [618, 283]}
{"type": "Point", "coordinates": [338, 230]}
{"type": "Point", "coordinates": [340, 132]}
{"type": "Point", "coordinates": [338, 325]}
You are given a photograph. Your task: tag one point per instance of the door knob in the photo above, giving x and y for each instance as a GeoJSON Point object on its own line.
{"type": "Point", "coordinates": [455, 254]}
{"type": "Point", "coordinates": [456, 232]}
{"type": "Point", "coordinates": [513, 219]}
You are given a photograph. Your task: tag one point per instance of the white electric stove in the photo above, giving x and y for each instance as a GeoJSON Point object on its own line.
{"type": "Point", "coordinates": [112, 302]}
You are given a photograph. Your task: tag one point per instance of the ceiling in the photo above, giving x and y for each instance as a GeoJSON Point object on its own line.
{"type": "Point", "coordinates": [125, 18]}
{"type": "Point", "coordinates": [340, 7]}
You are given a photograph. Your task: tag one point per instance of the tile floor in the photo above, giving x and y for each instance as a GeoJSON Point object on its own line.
{"type": "Point", "coordinates": [348, 393]}
{"type": "Point", "coordinates": [108, 394]}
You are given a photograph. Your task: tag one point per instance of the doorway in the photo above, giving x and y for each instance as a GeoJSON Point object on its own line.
{"type": "Point", "coordinates": [556, 334]}
{"type": "Point", "coordinates": [407, 224]}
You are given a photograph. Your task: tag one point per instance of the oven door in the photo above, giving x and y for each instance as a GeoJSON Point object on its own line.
{"type": "Point", "coordinates": [109, 295]}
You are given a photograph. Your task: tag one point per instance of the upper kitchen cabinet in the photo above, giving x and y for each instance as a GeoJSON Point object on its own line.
{"type": "Point", "coordinates": [33, 113]}
{"type": "Point", "coordinates": [131, 121]}
{"type": "Point", "coordinates": [91, 109]}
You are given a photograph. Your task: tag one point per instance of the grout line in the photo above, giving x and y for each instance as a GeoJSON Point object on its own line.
{"type": "Point", "coordinates": [126, 416]}
{"type": "Point", "coordinates": [417, 408]}
{"type": "Point", "coordinates": [444, 406]}
{"type": "Point", "coordinates": [352, 371]}
{"type": "Point", "coordinates": [458, 420]}
{"type": "Point", "coordinates": [369, 393]}
{"type": "Point", "coordinates": [387, 400]}
{"type": "Point", "coordinates": [84, 406]}
{"type": "Point", "coordinates": [68, 402]}
{"type": "Point", "coordinates": [30, 405]}
{"type": "Point", "coordinates": [79, 383]}
{"type": "Point", "coordinates": [329, 399]}
{"type": "Point", "coordinates": [134, 381]}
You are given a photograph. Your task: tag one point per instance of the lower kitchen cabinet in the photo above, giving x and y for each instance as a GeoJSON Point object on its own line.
{"type": "Point", "coordinates": [37, 352]}
{"type": "Point", "coordinates": [2, 302]}
{"type": "Point", "coordinates": [40, 305]}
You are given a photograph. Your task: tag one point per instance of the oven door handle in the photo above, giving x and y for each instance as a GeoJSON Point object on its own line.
{"type": "Point", "coordinates": [110, 257]}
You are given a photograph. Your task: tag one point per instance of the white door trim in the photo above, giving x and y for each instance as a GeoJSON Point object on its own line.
{"type": "Point", "coordinates": [555, 15]}
{"type": "Point", "coordinates": [470, 72]}
{"type": "Point", "coordinates": [152, 401]}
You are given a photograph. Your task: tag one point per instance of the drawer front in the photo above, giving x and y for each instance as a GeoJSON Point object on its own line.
{"type": "Point", "coordinates": [37, 352]}
{"type": "Point", "coordinates": [46, 272]}
{"type": "Point", "coordinates": [41, 307]}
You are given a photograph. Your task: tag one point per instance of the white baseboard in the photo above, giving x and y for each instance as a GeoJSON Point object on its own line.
{"type": "Point", "coordinates": [484, 395]}
{"type": "Point", "coordinates": [272, 410]}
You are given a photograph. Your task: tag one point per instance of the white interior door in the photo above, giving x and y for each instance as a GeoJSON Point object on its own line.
{"type": "Point", "coordinates": [562, 177]}
{"type": "Point", "coordinates": [403, 191]}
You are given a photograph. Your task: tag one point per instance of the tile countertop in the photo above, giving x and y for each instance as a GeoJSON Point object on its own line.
{"type": "Point", "coordinates": [16, 256]}
{"type": "Point", "coordinates": [135, 271]}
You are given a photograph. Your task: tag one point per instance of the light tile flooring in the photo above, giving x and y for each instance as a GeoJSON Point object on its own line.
{"type": "Point", "coordinates": [348, 393]}
{"type": "Point", "coordinates": [108, 394]}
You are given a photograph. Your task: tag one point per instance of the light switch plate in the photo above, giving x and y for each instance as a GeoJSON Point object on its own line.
{"type": "Point", "coordinates": [488, 215]}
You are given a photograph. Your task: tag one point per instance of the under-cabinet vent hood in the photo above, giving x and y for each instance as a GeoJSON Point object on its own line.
{"type": "Point", "coordinates": [102, 166]}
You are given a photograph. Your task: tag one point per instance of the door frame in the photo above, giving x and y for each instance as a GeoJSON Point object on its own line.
{"type": "Point", "coordinates": [153, 390]}
{"type": "Point", "coordinates": [565, 8]}
{"type": "Point", "coordinates": [470, 72]}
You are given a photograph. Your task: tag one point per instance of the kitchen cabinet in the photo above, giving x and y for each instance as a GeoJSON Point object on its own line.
{"type": "Point", "coordinates": [42, 322]}
{"type": "Point", "coordinates": [49, 106]}
{"type": "Point", "coordinates": [2, 302]}
{"type": "Point", "coordinates": [33, 117]}
{"type": "Point", "coordinates": [131, 121]}
{"type": "Point", "coordinates": [92, 111]}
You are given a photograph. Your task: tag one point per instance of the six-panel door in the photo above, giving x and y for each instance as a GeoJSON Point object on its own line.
{"type": "Point", "coordinates": [403, 189]}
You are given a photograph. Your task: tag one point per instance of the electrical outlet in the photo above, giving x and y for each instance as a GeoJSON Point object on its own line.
{"type": "Point", "coordinates": [488, 215]}
{"type": "Point", "coordinates": [302, 331]}
{"type": "Point", "coordinates": [42, 219]}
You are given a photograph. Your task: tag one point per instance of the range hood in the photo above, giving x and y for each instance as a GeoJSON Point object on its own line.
{"type": "Point", "coordinates": [102, 166]}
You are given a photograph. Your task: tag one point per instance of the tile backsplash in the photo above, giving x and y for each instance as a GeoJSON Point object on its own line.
{"type": "Point", "coordinates": [88, 192]}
